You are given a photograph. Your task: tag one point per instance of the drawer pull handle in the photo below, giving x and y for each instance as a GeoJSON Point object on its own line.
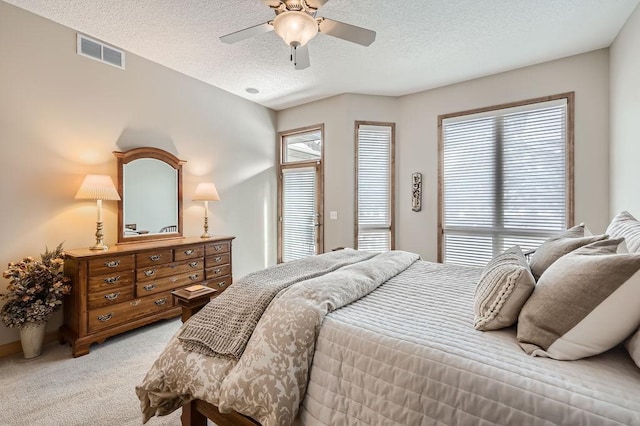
{"type": "Point", "coordinates": [111, 280]}
{"type": "Point", "coordinates": [112, 264]}
{"type": "Point", "coordinates": [222, 284]}
{"type": "Point", "coordinates": [149, 287]}
{"type": "Point", "coordinates": [135, 302]}
{"type": "Point", "coordinates": [217, 271]}
{"type": "Point", "coordinates": [160, 302]}
{"type": "Point", "coordinates": [217, 259]}
{"type": "Point", "coordinates": [155, 257]}
{"type": "Point", "coordinates": [149, 272]}
{"type": "Point", "coordinates": [193, 277]}
{"type": "Point", "coordinates": [194, 264]}
{"type": "Point", "coordinates": [106, 317]}
{"type": "Point", "coordinates": [189, 252]}
{"type": "Point", "coordinates": [112, 296]}
{"type": "Point", "coordinates": [218, 248]}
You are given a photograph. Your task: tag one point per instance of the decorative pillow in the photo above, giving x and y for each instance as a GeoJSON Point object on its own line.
{"type": "Point", "coordinates": [626, 226]}
{"type": "Point", "coordinates": [505, 284]}
{"type": "Point", "coordinates": [633, 346]}
{"type": "Point", "coordinates": [557, 246]}
{"type": "Point", "coordinates": [584, 304]}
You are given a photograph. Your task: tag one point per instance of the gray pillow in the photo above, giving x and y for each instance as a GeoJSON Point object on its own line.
{"type": "Point", "coordinates": [505, 284]}
{"type": "Point", "coordinates": [626, 226]}
{"type": "Point", "coordinates": [557, 246]}
{"type": "Point", "coordinates": [584, 304]}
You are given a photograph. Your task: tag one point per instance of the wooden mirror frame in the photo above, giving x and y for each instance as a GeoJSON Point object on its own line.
{"type": "Point", "coordinates": [126, 157]}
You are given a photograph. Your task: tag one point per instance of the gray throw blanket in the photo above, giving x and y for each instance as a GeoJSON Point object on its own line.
{"type": "Point", "coordinates": [224, 326]}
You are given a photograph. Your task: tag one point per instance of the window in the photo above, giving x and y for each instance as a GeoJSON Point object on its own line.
{"type": "Point", "coordinates": [506, 178]}
{"type": "Point", "coordinates": [375, 147]}
{"type": "Point", "coordinates": [300, 201]}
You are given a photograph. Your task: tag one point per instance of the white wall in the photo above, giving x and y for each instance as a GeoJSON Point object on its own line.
{"type": "Point", "coordinates": [416, 141]}
{"type": "Point", "coordinates": [62, 115]}
{"type": "Point", "coordinates": [625, 118]}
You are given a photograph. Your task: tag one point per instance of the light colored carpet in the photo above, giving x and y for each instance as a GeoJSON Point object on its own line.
{"type": "Point", "coordinates": [96, 389]}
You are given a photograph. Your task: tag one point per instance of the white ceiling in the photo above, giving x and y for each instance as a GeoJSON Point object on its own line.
{"type": "Point", "coordinates": [420, 44]}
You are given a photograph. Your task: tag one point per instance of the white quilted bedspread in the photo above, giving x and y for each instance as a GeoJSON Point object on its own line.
{"type": "Point", "coordinates": [408, 354]}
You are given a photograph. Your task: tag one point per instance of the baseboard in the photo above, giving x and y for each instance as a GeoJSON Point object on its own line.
{"type": "Point", "coordinates": [13, 348]}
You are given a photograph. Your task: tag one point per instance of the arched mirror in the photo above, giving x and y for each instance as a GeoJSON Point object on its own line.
{"type": "Point", "coordinates": [150, 187]}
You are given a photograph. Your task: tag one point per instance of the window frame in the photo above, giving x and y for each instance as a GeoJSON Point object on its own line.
{"type": "Point", "coordinates": [318, 164]}
{"type": "Point", "coordinates": [569, 156]}
{"type": "Point", "coordinates": [392, 180]}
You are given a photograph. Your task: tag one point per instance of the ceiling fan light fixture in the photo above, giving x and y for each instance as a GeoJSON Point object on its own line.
{"type": "Point", "coordinates": [295, 28]}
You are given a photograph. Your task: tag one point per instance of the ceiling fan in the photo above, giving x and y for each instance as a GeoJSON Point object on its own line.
{"type": "Point", "coordinates": [296, 24]}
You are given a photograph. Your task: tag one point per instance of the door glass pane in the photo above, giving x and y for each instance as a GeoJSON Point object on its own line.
{"type": "Point", "coordinates": [305, 146]}
{"type": "Point", "coordinates": [298, 213]}
{"type": "Point", "coordinates": [374, 240]}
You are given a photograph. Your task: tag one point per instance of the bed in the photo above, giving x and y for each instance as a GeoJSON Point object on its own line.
{"type": "Point", "coordinates": [406, 352]}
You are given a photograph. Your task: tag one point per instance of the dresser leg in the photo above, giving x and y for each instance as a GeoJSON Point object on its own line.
{"type": "Point", "coordinates": [80, 349]}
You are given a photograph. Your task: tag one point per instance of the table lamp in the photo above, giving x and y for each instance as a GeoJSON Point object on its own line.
{"type": "Point", "coordinates": [98, 187]}
{"type": "Point", "coordinates": [206, 192]}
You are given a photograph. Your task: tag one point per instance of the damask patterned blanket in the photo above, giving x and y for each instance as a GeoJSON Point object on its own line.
{"type": "Point", "coordinates": [269, 380]}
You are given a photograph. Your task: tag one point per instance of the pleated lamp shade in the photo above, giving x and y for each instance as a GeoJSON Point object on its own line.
{"type": "Point", "coordinates": [97, 187]}
{"type": "Point", "coordinates": [206, 191]}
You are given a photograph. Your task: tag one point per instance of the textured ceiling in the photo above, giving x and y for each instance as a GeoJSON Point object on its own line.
{"type": "Point", "coordinates": [420, 44]}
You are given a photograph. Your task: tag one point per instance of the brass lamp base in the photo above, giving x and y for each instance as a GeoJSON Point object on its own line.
{"type": "Point", "coordinates": [100, 245]}
{"type": "Point", "coordinates": [206, 228]}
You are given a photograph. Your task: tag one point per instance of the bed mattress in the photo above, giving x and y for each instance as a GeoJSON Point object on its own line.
{"type": "Point", "coordinates": [408, 354]}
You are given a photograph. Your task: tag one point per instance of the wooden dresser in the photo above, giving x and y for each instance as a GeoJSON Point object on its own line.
{"type": "Point", "coordinates": [130, 285]}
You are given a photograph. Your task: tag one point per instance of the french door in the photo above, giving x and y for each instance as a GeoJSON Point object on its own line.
{"type": "Point", "coordinates": [300, 195]}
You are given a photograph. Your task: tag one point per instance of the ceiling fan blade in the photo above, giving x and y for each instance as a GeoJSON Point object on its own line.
{"type": "Point", "coordinates": [247, 33]}
{"type": "Point", "coordinates": [316, 4]}
{"type": "Point", "coordinates": [272, 3]}
{"type": "Point", "coordinates": [301, 58]}
{"type": "Point", "coordinates": [347, 32]}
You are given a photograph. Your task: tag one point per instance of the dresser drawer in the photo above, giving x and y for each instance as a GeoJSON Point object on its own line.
{"type": "Point", "coordinates": [218, 271]}
{"type": "Point", "coordinates": [220, 284]}
{"type": "Point", "coordinates": [216, 260]}
{"type": "Point", "coordinates": [168, 283]}
{"type": "Point", "coordinates": [153, 258]}
{"type": "Point", "coordinates": [174, 268]}
{"type": "Point", "coordinates": [111, 281]}
{"type": "Point", "coordinates": [110, 297]}
{"type": "Point", "coordinates": [217, 248]}
{"type": "Point", "coordinates": [106, 265]}
{"type": "Point", "coordinates": [189, 252]}
{"type": "Point", "coordinates": [110, 316]}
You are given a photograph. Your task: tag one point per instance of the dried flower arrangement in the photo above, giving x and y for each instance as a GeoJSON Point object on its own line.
{"type": "Point", "coordinates": [36, 289]}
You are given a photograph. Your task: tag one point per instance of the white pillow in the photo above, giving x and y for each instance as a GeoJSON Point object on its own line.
{"type": "Point", "coordinates": [584, 304]}
{"type": "Point", "coordinates": [633, 346]}
{"type": "Point", "coordinates": [626, 226]}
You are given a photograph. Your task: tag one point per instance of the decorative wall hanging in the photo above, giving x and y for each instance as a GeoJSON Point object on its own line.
{"type": "Point", "coordinates": [416, 191]}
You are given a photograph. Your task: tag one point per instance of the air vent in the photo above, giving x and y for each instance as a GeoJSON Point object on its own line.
{"type": "Point", "coordinates": [99, 51]}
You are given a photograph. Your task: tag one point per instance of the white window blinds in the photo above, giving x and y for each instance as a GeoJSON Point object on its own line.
{"type": "Point", "coordinates": [299, 213]}
{"type": "Point", "coordinates": [504, 180]}
{"type": "Point", "coordinates": [374, 187]}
